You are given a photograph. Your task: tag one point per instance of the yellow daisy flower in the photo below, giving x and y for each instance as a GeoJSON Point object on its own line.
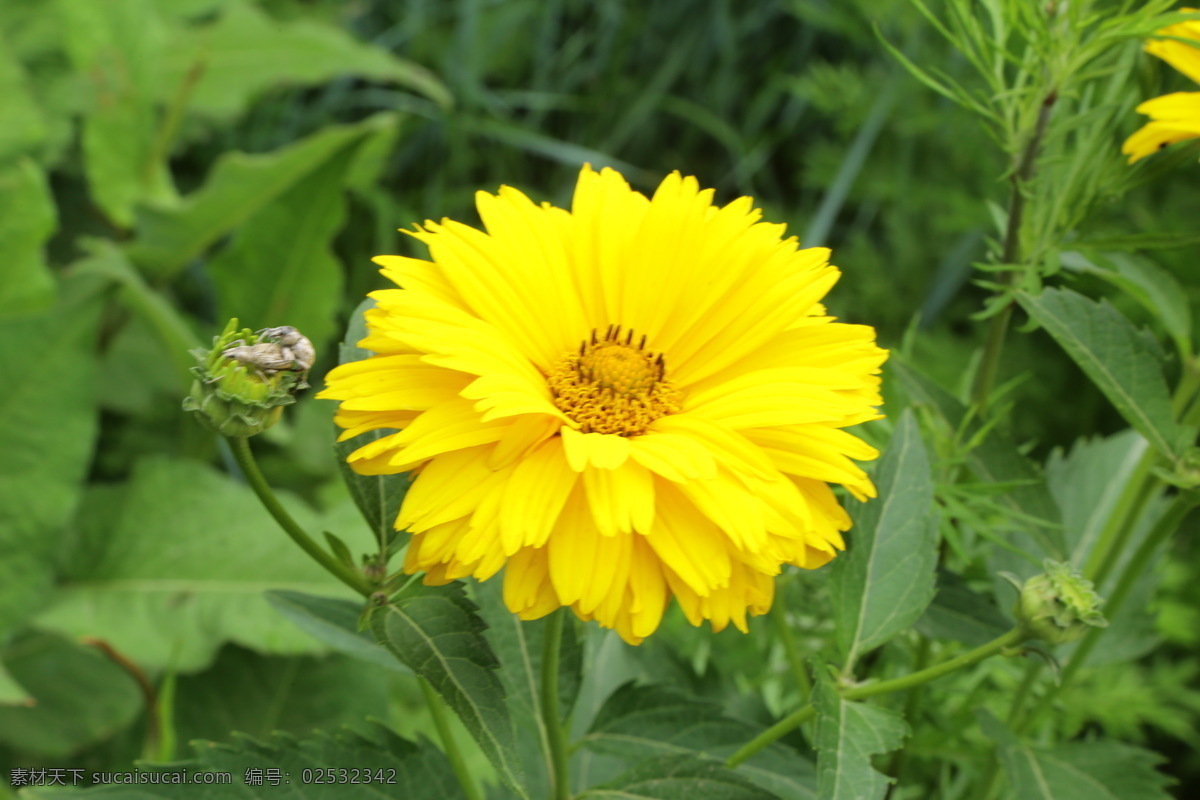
{"type": "Point", "coordinates": [635, 399]}
{"type": "Point", "coordinates": [1173, 117]}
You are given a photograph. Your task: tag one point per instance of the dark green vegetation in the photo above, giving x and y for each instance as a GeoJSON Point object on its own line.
{"type": "Point", "coordinates": [167, 164]}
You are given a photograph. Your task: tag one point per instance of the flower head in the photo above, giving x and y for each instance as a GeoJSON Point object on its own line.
{"type": "Point", "coordinates": [635, 399]}
{"type": "Point", "coordinates": [1173, 117]}
{"type": "Point", "coordinates": [1058, 606]}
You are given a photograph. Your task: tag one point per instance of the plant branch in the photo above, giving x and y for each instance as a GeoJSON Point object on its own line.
{"type": "Point", "coordinates": [556, 736]}
{"type": "Point", "coordinates": [441, 721]}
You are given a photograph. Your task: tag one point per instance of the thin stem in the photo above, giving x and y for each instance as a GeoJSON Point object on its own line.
{"type": "Point", "coordinates": [556, 736]}
{"type": "Point", "coordinates": [437, 710]}
{"type": "Point", "coordinates": [1120, 520]}
{"type": "Point", "coordinates": [245, 459]}
{"type": "Point", "coordinates": [1011, 254]}
{"type": "Point", "coordinates": [796, 718]}
{"type": "Point", "coordinates": [791, 650]}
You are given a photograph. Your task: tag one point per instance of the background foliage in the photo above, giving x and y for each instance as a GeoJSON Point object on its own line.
{"type": "Point", "coordinates": [165, 165]}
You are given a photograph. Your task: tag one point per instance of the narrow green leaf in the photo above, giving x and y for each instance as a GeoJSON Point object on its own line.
{"type": "Point", "coordinates": [848, 735]}
{"type": "Point", "coordinates": [1117, 358]}
{"type": "Point", "coordinates": [333, 621]}
{"type": "Point", "coordinates": [1096, 770]}
{"type": "Point", "coordinates": [437, 633]}
{"type": "Point", "coordinates": [884, 581]}
{"type": "Point", "coordinates": [994, 459]}
{"type": "Point", "coordinates": [27, 219]}
{"type": "Point", "coordinates": [237, 188]}
{"type": "Point", "coordinates": [679, 777]}
{"type": "Point", "coordinates": [637, 722]}
{"type": "Point", "coordinates": [1144, 281]}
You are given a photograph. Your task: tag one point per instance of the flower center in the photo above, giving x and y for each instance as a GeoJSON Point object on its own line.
{"type": "Point", "coordinates": [613, 385]}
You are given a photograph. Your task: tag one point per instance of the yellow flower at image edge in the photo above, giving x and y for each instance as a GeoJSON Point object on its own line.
{"type": "Point", "coordinates": [1173, 117]}
{"type": "Point", "coordinates": [628, 401]}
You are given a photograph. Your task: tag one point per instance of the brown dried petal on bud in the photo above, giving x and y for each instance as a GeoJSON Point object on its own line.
{"type": "Point", "coordinates": [1058, 606]}
{"type": "Point", "coordinates": [244, 379]}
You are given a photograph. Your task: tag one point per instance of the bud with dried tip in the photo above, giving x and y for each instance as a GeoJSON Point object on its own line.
{"type": "Point", "coordinates": [244, 380]}
{"type": "Point", "coordinates": [1058, 606]}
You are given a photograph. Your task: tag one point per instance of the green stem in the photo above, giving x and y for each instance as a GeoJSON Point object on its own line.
{"type": "Point", "coordinates": [989, 365]}
{"type": "Point", "coordinates": [245, 459]}
{"type": "Point", "coordinates": [791, 649]}
{"type": "Point", "coordinates": [796, 718]}
{"type": "Point", "coordinates": [1158, 535]}
{"type": "Point", "coordinates": [437, 710]}
{"type": "Point", "coordinates": [555, 735]}
{"type": "Point", "coordinates": [1121, 520]}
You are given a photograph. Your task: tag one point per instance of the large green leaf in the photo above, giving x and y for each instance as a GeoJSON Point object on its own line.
{"type": "Point", "coordinates": [1095, 770]}
{"type": "Point", "coordinates": [848, 735]}
{"type": "Point", "coordinates": [961, 614]}
{"type": "Point", "coordinates": [994, 459]}
{"type": "Point", "coordinates": [280, 269]}
{"type": "Point", "coordinates": [347, 765]}
{"type": "Point", "coordinates": [47, 432]}
{"type": "Point", "coordinates": [27, 219]}
{"type": "Point", "coordinates": [176, 564]}
{"type": "Point", "coordinates": [885, 580]}
{"type": "Point", "coordinates": [639, 722]}
{"type": "Point", "coordinates": [435, 631]}
{"type": "Point", "coordinates": [237, 188]}
{"type": "Point", "coordinates": [1121, 361]}
{"type": "Point", "coordinates": [333, 621]}
{"type": "Point", "coordinates": [679, 777]}
{"type": "Point", "coordinates": [1144, 281]}
{"type": "Point", "coordinates": [24, 126]}
{"type": "Point", "coordinates": [80, 697]}
{"type": "Point", "coordinates": [245, 52]}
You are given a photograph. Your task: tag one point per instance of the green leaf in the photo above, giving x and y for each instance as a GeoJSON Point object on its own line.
{"type": "Point", "coordinates": [637, 722]}
{"type": "Point", "coordinates": [885, 580]}
{"type": "Point", "coordinates": [237, 188]}
{"type": "Point", "coordinates": [334, 622]}
{"type": "Point", "coordinates": [47, 432]}
{"type": "Point", "coordinates": [27, 220]}
{"type": "Point", "coordinates": [1144, 281]}
{"type": "Point", "coordinates": [994, 459]}
{"type": "Point", "coordinates": [435, 631]}
{"type": "Point", "coordinates": [175, 564]}
{"type": "Point", "coordinates": [24, 124]}
{"type": "Point", "coordinates": [81, 697]}
{"type": "Point", "coordinates": [245, 52]}
{"type": "Point", "coordinates": [378, 497]}
{"type": "Point", "coordinates": [288, 767]}
{"type": "Point", "coordinates": [254, 694]}
{"type": "Point", "coordinates": [1096, 770]}
{"type": "Point", "coordinates": [848, 734]}
{"type": "Point", "coordinates": [961, 614]}
{"type": "Point", "coordinates": [1117, 358]}
{"type": "Point", "coordinates": [280, 268]}
{"type": "Point", "coordinates": [679, 777]}
{"type": "Point", "coordinates": [12, 693]}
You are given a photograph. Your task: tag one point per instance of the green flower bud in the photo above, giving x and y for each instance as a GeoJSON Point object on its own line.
{"type": "Point", "coordinates": [1058, 606]}
{"type": "Point", "coordinates": [245, 378]}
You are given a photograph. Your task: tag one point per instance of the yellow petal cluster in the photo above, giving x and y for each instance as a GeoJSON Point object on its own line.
{"type": "Point", "coordinates": [633, 400]}
{"type": "Point", "coordinates": [1173, 117]}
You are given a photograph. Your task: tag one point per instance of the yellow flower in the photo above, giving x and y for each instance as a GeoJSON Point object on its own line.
{"type": "Point", "coordinates": [1173, 117]}
{"type": "Point", "coordinates": [630, 400]}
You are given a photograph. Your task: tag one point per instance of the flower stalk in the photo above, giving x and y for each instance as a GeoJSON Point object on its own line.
{"type": "Point", "coordinates": [551, 719]}
{"type": "Point", "coordinates": [437, 710]}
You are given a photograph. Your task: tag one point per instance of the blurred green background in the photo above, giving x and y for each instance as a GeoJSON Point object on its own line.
{"type": "Point", "coordinates": [168, 164]}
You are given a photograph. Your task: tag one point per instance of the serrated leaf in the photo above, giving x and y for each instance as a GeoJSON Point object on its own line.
{"type": "Point", "coordinates": [679, 777]}
{"type": "Point", "coordinates": [435, 631]}
{"type": "Point", "coordinates": [1144, 281]}
{"type": "Point", "coordinates": [884, 581]}
{"type": "Point", "coordinates": [1096, 770]}
{"type": "Point", "coordinates": [27, 219]}
{"type": "Point", "coordinates": [175, 564]}
{"type": "Point", "coordinates": [1115, 356]}
{"type": "Point", "coordinates": [287, 766]}
{"type": "Point", "coordinates": [848, 735]}
{"type": "Point", "coordinates": [169, 236]}
{"type": "Point", "coordinates": [333, 621]}
{"type": "Point", "coordinates": [378, 497]}
{"type": "Point", "coordinates": [48, 422]}
{"type": "Point", "coordinates": [995, 459]}
{"type": "Point", "coordinates": [637, 722]}
{"type": "Point", "coordinates": [245, 52]}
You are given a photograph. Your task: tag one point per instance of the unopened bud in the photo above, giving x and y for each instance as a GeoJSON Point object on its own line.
{"type": "Point", "coordinates": [245, 378]}
{"type": "Point", "coordinates": [1058, 606]}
